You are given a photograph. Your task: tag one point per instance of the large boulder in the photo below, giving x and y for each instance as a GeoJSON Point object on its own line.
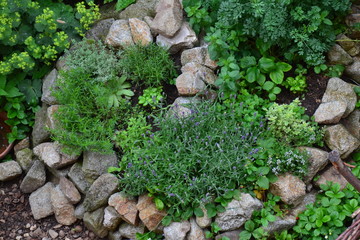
{"type": "Point", "coordinates": [330, 112]}
{"type": "Point", "coordinates": [9, 170]}
{"type": "Point", "coordinates": [189, 84]}
{"type": "Point", "coordinates": [182, 106]}
{"type": "Point", "coordinates": [289, 188]}
{"type": "Point", "coordinates": [119, 34]}
{"type": "Point", "coordinates": [280, 224]}
{"type": "Point", "coordinates": [96, 164]}
{"type": "Point", "coordinates": [34, 179]}
{"type": "Point", "coordinates": [40, 202]}
{"type": "Point", "coordinates": [203, 221]}
{"type": "Point", "coordinates": [176, 230]}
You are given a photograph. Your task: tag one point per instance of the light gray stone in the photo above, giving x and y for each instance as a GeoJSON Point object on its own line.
{"type": "Point", "coordinates": [58, 173]}
{"type": "Point", "coordinates": [140, 9]}
{"type": "Point", "coordinates": [93, 221]}
{"type": "Point", "coordinates": [353, 70]}
{"type": "Point", "coordinates": [125, 206]}
{"type": "Point", "coordinates": [338, 138]}
{"type": "Point", "coordinates": [203, 73]}
{"type": "Point", "coordinates": [9, 170]}
{"type": "Point", "coordinates": [95, 164]}
{"type": "Point", "coordinates": [140, 31]}
{"type": "Point", "coordinates": [50, 154]}
{"type": "Point", "coordinates": [49, 84]}
{"type": "Point", "coordinates": [337, 55]}
{"type": "Point", "coordinates": [51, 121]}
{"type": "Point", "coordinates": [196, 233]}
{"type": "Point", "coordinates": [111, 218]}
{"type": "Point", "coordinates": [39, 133]}
{"type": "Point", "coordinates": [25, 143]}
{"type": "Point", "coordinates": [69, 190]}
{"type": "Point", "coordinates": [63, 209]}
{"type": "Point", "coordinates": [352, 123]}
{"type": "Point", "coordinates": [331, 175]}
{"type": "Point", "coordinates": [79, 211]}
{"type": "Point", "coordinates": [318, 159]}
{"type": "Point", "coordinates": [25, 158]}
{"type": "Point", "coordinates": [232, 235]}
{"type": "Point", "coordinates": [176, 230]}
{"type": "Point", "coordinates": [330, 112]}
{"type": "Point", "coordinates": [100, 29]}
{"type": "Point", "coordinates": [114, 235]}
{"type": "Point", "coordinates": [34, 179]}
{"type": "Point", "coordinates": [309, 198]}
{"type": "Point", "coordinates": [237, 212]}
{"type": "Point", "coordinates": [182, 106]}
{"type": "Point", "coordinates": [189, 84]}
{"type": "Point", "coordinates": [199, 55]}
{"type": "Point", "coordinates": [280, 224]}
{"type": "Point", "coordinates": [129, 231]}
{"type": "Point", "coordinates": [289, 188]}
{"type": "Point", "coordinates": [77, 176]}
{"type": "Point", "coordinates": [203, 221]}
{"type": "Point", "coordinates": [119, 34]}
{"type": "Point", "coordinates": [40, 202]}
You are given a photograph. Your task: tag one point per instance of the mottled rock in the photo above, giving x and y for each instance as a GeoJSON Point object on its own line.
{"type": "Point", "coordinates": [111, 218]}
{"type": "Point", "coordinates": [352, 123]}
{"type": "Point", "coordinates": [140, 31]}
{"type": "Point", "coordinates": [205, 74]}
{"type": "Point", "coordinates": [125, 206]}
{"type": "Point", "coordinates": [100, 29]}
{"type": "Point", "coordinates": [318, 159]}
{"type": "Point", "coordinates": [199, 55]}
{"type": "Point", "coordinates": [348, 45]}
{"type": "Point", "coordinates": [25, 143]}
{"type": "Point", "coordinates": [331, 175]}
{"type": "Point", "coordinates": [129, 231]}
{"type": "Point", "coordinates": [232, 235]}
{"type": "Point", "coordinates": [196, 233]}
{"type": "Point", "coordinates": [203, 221]}
{"type": "Point", "coordinates": [337, 55]}
{"type": "Point", "coordinates": [77, 176]}
{"type": "Point", "coordinates": [95, 164]}
{"type": "Point", "coordinates": [330, 112]}
{"type": "Point", "coordinates": [63, 209]}
{"type": "Point", "coordinates": [39, 133]}
{"type": "Point", "coordinates": [148, 213]}
{"type": "Point", "coordinates": [308, 199]}
{"type": "Point", "coordinates": [25, 158]}
{"type": "Point", "coordinates": [237, 212]}
{"type": "Point", "coordinates": [49, 153]}
{"type": "Point", "coordinates": [140, 9]}
{"type": "Point", "coordinates": [93, 221]}
{"type": "Point", "coordinates": [56, 174]}
{"type": "Point", "coordinates": [34, 179]}
{"type": "Point", "coordinates": [289, 188]}
{"type": "Point", "coordinates": [189, 84]}
{"type": "Point", "coordinates": [338, 138]}
{"type": "Point", "coordinates": [40, 202]}
{"type": "Point", "coordinates": [353, 70]}
{"type": "Point", "coordinates": [182, 106]}
{"type": "Point", "coordinates": [9, 170]}
{"type": "Point", "coordinates": [100, 191]}
{"type": "Point", "coordinates": [79, 211]}
{"type": "Point", "coordinates": [69, 190]}
{"type": "Point", "coordinates": [49, 84]}
{"type": "Point", "coordinates": [280, 224]}
{"type": "Point", "coordinates": [176, 230]}
{"type": "Point", "coordinates": [119, 34]}
{"type": "Point", "coordinates": [51, 121]}
{"type": "Point", "coordinates": [114, 235]}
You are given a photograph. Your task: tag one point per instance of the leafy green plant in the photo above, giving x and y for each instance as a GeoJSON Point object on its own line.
{"type": "Point", "coordinates": [297, 84]}
{"type": "Point", "coordinates": [121, 4]}
{"type": "Point", "coordinates": [152, 97]}
{"type": "Point", "coordinates": [330, 71]}
{"type": "Point", "coordinates": [357, 91]}
{"type": "Point", "coordinates": [148, 236]}
{"type": "Point", "coordinates": [214, 230]}
{"type": "Point", "coordinates": [119, 89]}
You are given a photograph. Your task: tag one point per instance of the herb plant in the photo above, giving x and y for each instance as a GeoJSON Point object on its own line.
{"type": "Point", "coordinates": [152, 97]}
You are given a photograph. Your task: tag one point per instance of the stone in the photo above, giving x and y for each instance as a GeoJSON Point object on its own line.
{"type": "Point", "coordinates": [93, 221]}
{"type": "Point", "coordinates": [168, 18]}
{"type": "Point", "coordinates": [318, 159]}
{"type": "Point", "coordinates": [25, 158]}
{"type": "Point", "coordinates": [331, 175]}
{"type": "Point", "coordinates": [140, 31]}
{"type": "Point", "coordinates": [280, 224]}
{"type": "Point", "coordinates": [337, 55]}
{"type": "Point", "coordinates": [79, 211]}
{"type": "Point", "coordinates": [203, 221]}
{"type": "Point", "coordinates": [35, 178]}
{"type": "Point", "coordinates": [140, 9]}
{"type": "Point", "coordinates": [40, 202]}
{"type": "Point", "coordinates": [338, 90]}
{"type": "Point", "coordinates": [185, 38]}
{"type": "Point", "coordinates": [25, 143]}
{"type": "Point", "coordinates": [58, 173]}
{"type": "Point", "coordinates": [119, 34]}
{"type": "Point", "coordinates": [95, 164]}
{"type": "Point", "coordinates": [51, 121]}
{"type": "Point", "coordinates": [148, 213]}
{"type": "Point", "coordinates": [330, 112]}
{"type": "Point", "coordinates": [100, 191]}
{"type": "Point", "coordinates": [77, 176]}
{"type": "Point", "coordinates": [39, 133]}
{"type": "Point", "coordinates": [69, 190]}
{"type": "Point", "coordinates": [114, 235]}
{"type": "Point", "coordinates": [176, 230]}
{"type": "Point", "coordinates": [352, 123]}
{"type": "Point", "coordinates": [338, 138]}
{"type": "Point", "coordinates": [100, 30]}
{"type": "Point", "coordinates": [181, 106]}
{"type": "Point", "coordinates": [125, 206]}
{"type": "Point", "coordinates": [309, 198]}
{"type": "Point", "coordinates": [237, 212]}
{"type": "Point", "coordinates": [196, 233]}
{"type": "Point", "coordinates": [129, 231]}
{"type": "Point", "coordinates": [61, 63]}
{"type": "Point", "coordinates": [49, 84]}
{"type": "Point", "coordinates": [189, 84]}
{"type": "Point", "coordinates": [205, 74]}
{"type": "Point", "coordinates": [348, 45]}
{"type": "Point", "coordinates": [53, 234]}
{"type": "Point", "coordinates": [353, 70]}
{"type": "Point", "coordinates": [232, 235]}
{"type": "Point", "coordinates": [289, 188]}
{"type": "Point", "coordinates": [9, 170]}
{"type": "Point", "coordinates": [48, 153]}
{"type": "Point", "coordinates": [198, 55]}
{"type": "Point", "coordinates": [63, 209]}
{"type": "Point", "coordinates": [111, 218]}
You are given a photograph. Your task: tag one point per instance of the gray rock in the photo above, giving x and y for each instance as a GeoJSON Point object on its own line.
{"type": "Point", "coordinates": [39, 133]}
{"type": "Point", "coordinates": [338, 90]}
{"type": "Point", "coordinates": [348, 45]}
{"type": "Point", "coordinates": [309, 198]}
{"type": "Point", "coordinates": [280, 224]}
{"type": "Point", "coordinates": [140, 31]}
{"type": "Point", "coordinates": [53, 234]}
{"type": "Point", "coordinates": [77, 176]}
{"type": "Point", "coordinates": [337, 55]}
{"type": "Point", "coordinates": [58, 173]}
{"type": "Point", "coordinates": [203, 221]}
{"type": "Point", "coordinates": [79, 211]}
{"type": "Point", "coordinates": [100, 29]}
{"type": "Point", "coordinates": [189, 84]}
{"type": "Point", "coordinates": [330, 112]}
{"type": "Point", "coordinates": [9, 170]}
{"type": "Point", "coordinates": [51, 121]}
{"type": "Point", "coordinates": [114, 235]}
{"type": "Point", "coordinates": [95, 164]}
{"type": "Point", "coordinates": [176, 230]}
{"type": "Point", "coordinates": [34, 179]}
{"type": "Point", "coordinates": [63, 209]}
{"type": "Point", "coordinates": [93, 221]}
{"type": "Point", "coordinates": [237, 212]}
{"type": "Point", "coordinates": [184, 38]}
{"type": "Point", "coordinates": [232, 235]}
{"type": "Point", "coordinates": [40, 202]}
{"type": "Point", "coordinates": [25, 143]}
{"type": "Point", "coordinates": [25, 158]}
{"type": "Point", "coordinates": [196, 233]}
{"type": "Point", "coordinates": [352, 123]}
{"type": "Point", "coordinates": [338, 138]}
{"type": "Point", "coordinates": [140, 9]}
{"type": "Point", "coordinates": [61, 63]}
{"type": "Point", "coordinates": [353, 70]}
{"type": "Point", "coordinates": [69, 190]}
{"type": "Point", "coordinates": [199, 55]}
{"type": "Point", "coordinates": [50, 154]}
{"type": "Point", "coordinates": [119, 34]}
{"type": "Point", "coordinates": [49, 84]}
{"type": "Point", "coordinates": [129, 231]}
{"type": "Point", "coordinates": [182, 106]}
{"type": "Point", "coordinates": [317, 161]}
{"type": "Point", "coordinates": [331, 175]}
{"type": "Point", "coordinates": [125, 206]}
{"type": "Point", "coordinates": [289, 188]}
{"type": "Point", "coordinates": [112, 218]}
{"type": "Point", "coordinates": [100, 191]}
{"type": "Point", "coordinates": [205, 74]}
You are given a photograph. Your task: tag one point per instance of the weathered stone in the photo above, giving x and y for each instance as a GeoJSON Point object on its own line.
{"type": "Point", "coordinates": [189, 84]}
{"type": "Point", "coordinates": [280, 224]}
{"type": "Point", "coordinates": [39, 133]}
{"type": "Point", "coordinates": [148, 213]}
{"type": "Point", "coordinates": [58, 173]}
{"type": "Point", "coordinates": [77, 176]}
{"type": "Point", "coordinates": [331, 175]}
{"type": "Point", "coordinates": [205, 74]}
{"type": "Point", "coordinates": [129, 231]}
{"type": "Point", "coordinates": [318, 159]}
{"type": "Point", "coordinates": [140, 31]}
{"type": "Point", "coordinates": [69, 190]}
{"type": "Point", "coordinates": [168, 18]}
{"type": "Point", "coordinates": [53, 234]}
{"type": "Point", "coordinates": [40, 202]}
{"type": "Point", "coordinates": [93, 221]}
{"type": "Point", "coordinates": [95, 164]}
{"type": "Point", "coordinates": [338, 138]}
{"type": "Point", "coordinates": [308, 199]}
{"type": "Point", "coordinates": [199, 55]}
{"type": "Point", "coordinates": [25, 158]}
{"type": "Point", "coordinates": [232, 235]}
{"type": "Point", "coordinates": [289, 188]}
{"type": "Point", "coordinates": [330, 112]}
{"type": "Point", "coordinates": [49, 84]}
{"type": "Point", "coordinates": [140, 9]}
{"type": "Point", "coordinates": [196, 233]}
{"type": "Point", "coordinates": [9, 170]}
{"type": "Point", "coordinates": [51, 121]}
{"type": "Point", "coordinates": [125, 206]}
{"type": "Point", "coordinates": [237, 212]}
{"type": "Point", "coordinates": [353, 70]}
{"type": "Point", "coordinates": [185, 38]}
{"type": "Point", "coordinates": [100, 191]}
{"type": "Point", "coordinates": [176, 230]}
{"type": "Point", "coordinates": [119, 34]}
{"type": "Point", "coordinates": [338, 90]}
{"type": "Point", "coordinates": [114, 235]}
{"type": "Point", "coordinates": [100, 29]}
{"type": "Point", "coordinates": [337, 55]}
{"type": "Point", "coordinates": [111, 218]}
{"type": "Point", "coordinates": [34, 179]}
{"type": "Point", "coordinates": [25, 143]}
{"type": "Point", "coordinates": [203, 221]}
{"type": "Point", "coordinates": [79, 211]}
{"type": "Point", "coordinates": [61, 63]}
{"type": "Point", "coordinates": [63, 209]}
{"type": "Point", "coordinates": [181, 106]}
{"type": "Point", "coordinates": [48, 153]}
{"type": "Point", "coordinates": [352, 123]}
{"type": "Point", "coordinates": [348, 45]}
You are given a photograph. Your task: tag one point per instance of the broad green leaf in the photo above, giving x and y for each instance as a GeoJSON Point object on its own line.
{"type": "Point", "coordinates": [276, 90]}
{"type": "Point", "coordinates": [166, 221]}
{"type": "Point", "coordinates": [3, 93]}
{"type": "Point", "coordinates": [326, 218]}
{"type": "Point", "coordinates": [228, 195]}
{"type": "Point", "coordinates": [250, 225]}
{"type": "Point", "coordinates": [268, 85]}
{"type": "Point", "coordinates": [245, 235]}
{"type": "Point", "coordinates": [327, 21]}
{"type": "Point", "coordinates": [261, 79]}
{"type": "Point", "coordinates": [220, 208]}
{"type": "Point", "coordinates": [263, 182]}
{"type": "Point", "coordinates": [198, 212]}
{"type": "Point", "coordinates": [211, 210]}
{"type": "Point", "coordinates": [234, 74]}
{"type": "Point", "coordinates": [277, 76]}
{"type": "Point", "coordinates": [283, 66]}
{"type": "Point", "coordinates": [159, 204]}
{"type": "Point", "coordinates": [234, 66]}
{"type": "Point", "coordinates": [247, 62]}
{"type": "Point", "coordinates": [252, 74]}
{"type": "Point", "coordinates": [318, 223]}
{"type": "Point", "coordinates": [266, 64]}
